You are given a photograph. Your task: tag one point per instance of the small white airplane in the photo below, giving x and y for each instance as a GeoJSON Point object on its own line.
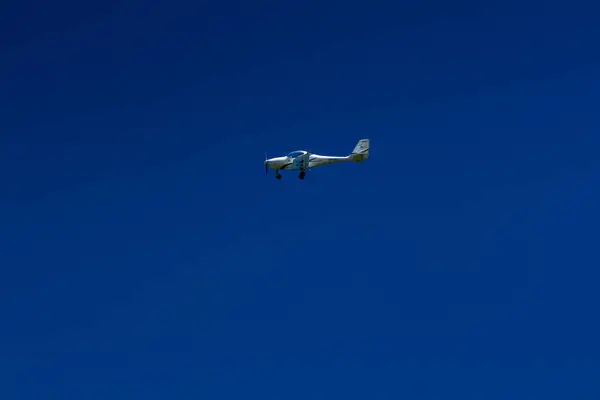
{"type": "Point", "coordinates": [303, 160]}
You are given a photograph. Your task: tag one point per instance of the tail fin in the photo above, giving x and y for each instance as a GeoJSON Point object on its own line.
{"type": "Point", "coordinates": [361, 150]}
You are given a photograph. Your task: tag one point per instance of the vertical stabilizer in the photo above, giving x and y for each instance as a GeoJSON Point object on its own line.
{"type": "Point", "coordinates": [361, 150]}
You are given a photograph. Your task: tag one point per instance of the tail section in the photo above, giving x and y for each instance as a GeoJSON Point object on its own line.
{"type": "Point", "coordinates": [361, 151]}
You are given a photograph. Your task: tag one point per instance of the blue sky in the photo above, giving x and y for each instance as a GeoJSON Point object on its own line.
{"type": "Point", "coordinates": [144, 254]}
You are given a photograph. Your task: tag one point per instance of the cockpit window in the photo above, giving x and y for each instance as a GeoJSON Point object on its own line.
{"type": "Point", "coordinates": [295, 154]}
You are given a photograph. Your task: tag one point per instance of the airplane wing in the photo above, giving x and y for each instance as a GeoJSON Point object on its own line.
{"type": "Point", "coordinates": [302, 162]}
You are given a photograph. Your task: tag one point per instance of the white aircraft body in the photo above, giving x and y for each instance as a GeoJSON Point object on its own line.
{"type": "Point", "coordinates": [302, 160]}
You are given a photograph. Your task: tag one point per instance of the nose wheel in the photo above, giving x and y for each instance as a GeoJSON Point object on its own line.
{"type": "Point", "coordinates": [278, 175]}
{"type": "Point", "coordinates": [302, 175]}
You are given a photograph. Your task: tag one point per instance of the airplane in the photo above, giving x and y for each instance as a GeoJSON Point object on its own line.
{"type": "Point", "coordinates": [302, 160]}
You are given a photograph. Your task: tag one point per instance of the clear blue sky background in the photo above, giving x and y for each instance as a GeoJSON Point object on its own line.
{"type": "Point", "coordinates": [144, 254]}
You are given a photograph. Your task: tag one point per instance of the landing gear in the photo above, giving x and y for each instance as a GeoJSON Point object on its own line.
{"type": "Point", "coordinates": [302, 175]}
{"type": "Point", "coordinates": [277, 175]}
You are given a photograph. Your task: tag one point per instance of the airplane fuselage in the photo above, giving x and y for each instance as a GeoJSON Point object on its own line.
{"type": "Point", "coordinates": [302, 160]}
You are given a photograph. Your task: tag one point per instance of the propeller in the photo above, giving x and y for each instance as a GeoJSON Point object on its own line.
{"type": "Point", "coordinates": [266, 165]}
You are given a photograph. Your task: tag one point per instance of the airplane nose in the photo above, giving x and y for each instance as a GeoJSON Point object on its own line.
{"type": "Point", "coordinates": [270, 163]}
{"type": "Point", "coordinates": [274, 162]}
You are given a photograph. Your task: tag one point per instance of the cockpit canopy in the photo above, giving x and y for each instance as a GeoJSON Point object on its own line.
{"type": "Point", "coordinates": [295, 154]}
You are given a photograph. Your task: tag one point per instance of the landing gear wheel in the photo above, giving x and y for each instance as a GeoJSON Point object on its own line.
{"type": "Point", "coordinates": [302, 175]}
{"type": "Point", "coordinates": [278, 176]}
